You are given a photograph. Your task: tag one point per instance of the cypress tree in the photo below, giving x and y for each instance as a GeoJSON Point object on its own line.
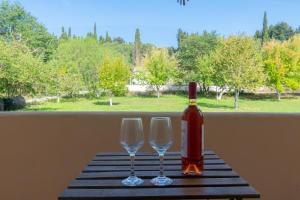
{"type": "Point", "coordinates": [107, 38]}
{"type": "Point", "coordinates": [179, 37]}
{"type": "Point", "coordinates": [95, 30]}
{"type": "Point", "coordinates": [69, 33]}
{"type": "Point", "coordinates": [265, 31]}
{"type": "Point", "coordinates": [63, 33]}
{"type": "Point", "coordinates": [137, 48]}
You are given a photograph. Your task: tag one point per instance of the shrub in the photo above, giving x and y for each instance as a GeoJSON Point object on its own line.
{"type": "Point", "coordinates": [14, 103]}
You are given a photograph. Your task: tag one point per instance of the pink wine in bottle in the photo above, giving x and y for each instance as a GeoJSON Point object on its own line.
{"type": "Point", "coordinates": [192, 136]}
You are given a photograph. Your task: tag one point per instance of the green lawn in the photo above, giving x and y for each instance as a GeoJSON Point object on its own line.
{"type": "Point", "coordinates": [171, 103]}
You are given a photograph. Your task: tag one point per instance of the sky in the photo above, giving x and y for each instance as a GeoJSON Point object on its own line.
{"type": "Point", "coordinates": [159, 20]}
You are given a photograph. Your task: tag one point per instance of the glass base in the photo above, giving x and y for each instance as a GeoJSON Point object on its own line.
{"type": "Point", "coordinates": [132, 181]}
{"type": "Point", "coordinates": [161, 181]}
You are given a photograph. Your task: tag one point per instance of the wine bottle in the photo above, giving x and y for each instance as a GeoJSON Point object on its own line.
{"type": "Point", "coordinates": [192, 135]}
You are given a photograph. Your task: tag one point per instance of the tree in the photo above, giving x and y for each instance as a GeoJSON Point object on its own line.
{"type": "Point", "coordinates": [63, 35]}
{"type": "Point", "coordinates": [257, 34]}
{"type": "Point", "coordinates": [297, 31]}
{"type": "Point", "coordinates": [281, 31]}
{"type": "Point", "coordinates": [90, 35]}
{"type": "Point", "coordinates": [18, 24]}
{"type": "Point", "coordinates": [80, 59]}
{"type": "Point", "coordinates": [239, 65]}
{"type": "Point", "coordinates": [20, 72]}
{"type": "Point", "coordinates": [214, 72]}
{"type": "Point", "coordinates": [69, 33]}
{"type": "Point", "coordinates": [101, 39]}
{"type": "Point", "coordinates": [107, 38]}
{"type": "Point", "coordinates": [65, 80]}
{"type": "Point", "coordinates": [146, 49]}
{"type": "Point", "coordinates": [114, 75]}
{"type": "Point", "coordinates": [282, 64]}
{"type": "Point", "coordinates": [204, 72]}
{"type": "Point", "coordinates": [137, 48]}
{"type": "Point", "coordinates": [117, 50]}
{"type": "Point", "coordinates": [181, 35]}
{"type": "Point", "coordinates": [95, 31]}
{"type": "Point", "coordinates": [193, 47]}
{"type": "Point", "coordinates": [265, 31]}
{"type": "Point", "coordinates": [159, 69]}
{"type": "Point", "coordinates": [119, 40]}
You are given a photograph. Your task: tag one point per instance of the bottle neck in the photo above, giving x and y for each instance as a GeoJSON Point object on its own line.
{"type": "Point", "coordinates": [193, 102]}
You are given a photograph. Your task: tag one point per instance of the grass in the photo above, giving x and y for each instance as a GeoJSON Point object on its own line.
{"type": "Point", "coordinates": [171, 103]}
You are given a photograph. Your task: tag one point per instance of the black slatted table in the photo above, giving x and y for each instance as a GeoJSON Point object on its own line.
{"type": "Point", "coordinates": [101, 179]}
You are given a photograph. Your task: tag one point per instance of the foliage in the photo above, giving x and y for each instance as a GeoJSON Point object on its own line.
{"type": "Point", "coordinates": [69, 32]}
{"type": "Point", "coordinates": [32, 61]}
{"type": "Point", "coordinates": [146, 49]}
{"type": "Point", "coordinates": [101, 39]}
{"type": "Point", "coordinates": [77, 62]}
{"type": "Point", "coordinates": [181, 35]}
{"type": "Point", "coordinates": [282, 64]}
{"type": "Point", "coordinates": [265, 31]}
{"type": "Point", "coordinates": [116, 49]}
{"type": "Point", "coordinates": [137, 48]}
{"type": "Point", "coordinates": [239, 64]}
{"type": "Point", "coordinates": [159, 67]}
{"type": "Point", "coordinates": [257, 34]}
{"type": "Point", "coordinates": [119, 40]}
{"type": "Point", "coordinates": [95, 31]}
{"type": "Point", "coordinates": [18, 24]}
{"type": "Point", "coordinates": [205, 71]}
{"type": "Point", "coordinates": [107, 38]}
{"type": "Point", "coordinates": [79, 59]}
{"type": "Point", "coordinates": [281, 31]}
{"type": "Point", "coordinates": [191, 48]}
{"type": "Point", "coordinates": [65, 80]}
{"type": "Point", "coordinates": [114, 75]}
{"type": "Point", "coordinates": [20, 72]}
{"type": "Point", "coordinates": [63, 35]}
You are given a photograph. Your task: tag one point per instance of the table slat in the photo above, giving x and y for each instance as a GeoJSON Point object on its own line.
{"type": "Point", "coordinates": [161, 193]}
{"type": "Point", "coordinates": [149, 174]}
{"type": "Point", "coordinates": [151, 168]}
{"type": "Point", "coordinates": [149, 157]}
{"type": "Point", "coordinates": [123, 153]}
{"type": "Point", "coordinates": [148, 163]}
{"type": "Point", "coordinates": [178, 182]}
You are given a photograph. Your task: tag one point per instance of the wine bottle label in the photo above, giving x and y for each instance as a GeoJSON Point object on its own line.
{"type": "Point", "coordinates": [184, 138]}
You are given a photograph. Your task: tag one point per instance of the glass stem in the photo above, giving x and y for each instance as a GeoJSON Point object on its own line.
{"type": "Point", "coordinates": [161, 159]}
{"type": "Point", "coordinates": [132, 165]}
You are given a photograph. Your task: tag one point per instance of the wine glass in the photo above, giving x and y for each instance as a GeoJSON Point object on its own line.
{"type": "Point", "coordinates": [161, 138]}
{"type": "Point", "coordinates": [132, 139]}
